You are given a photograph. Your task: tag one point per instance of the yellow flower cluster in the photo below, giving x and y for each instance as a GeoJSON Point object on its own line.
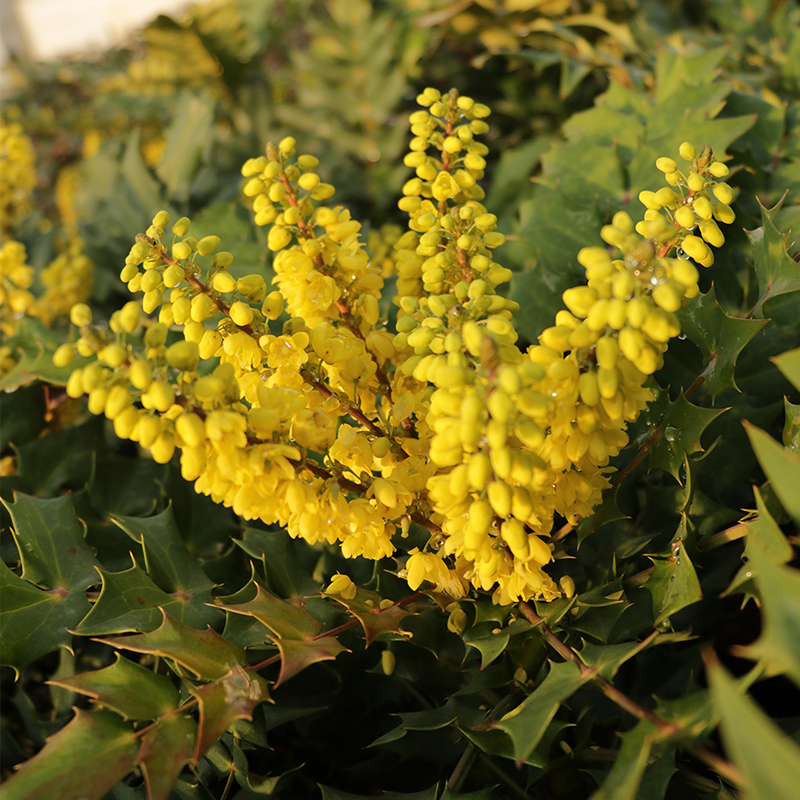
{"type": "Point", "coordinates": [347, 433]}
{"type": "Point", "coordinates": [67, 280]}
{"type": "Point", "coordinates": [17, 176]}
{"type": "Point", "coordinates": [15, 278]}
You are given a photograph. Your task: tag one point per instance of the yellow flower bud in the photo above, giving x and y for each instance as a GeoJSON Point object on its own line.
{"type": "Point", "coordinates": [113, 354]}
{"type": "Point", "coordinates": [63, 355]}
{"type": "Point", "coordinates": [342, 585]}
{"type": "Point", "coordinates": [140, 374]}
{"type": "Point", "coordinates": [118, 399]}
{"type": "Point", "coordinates": [163, 447]}
{"type": "Point", "coordinates": [388, 662]}
{"type": "Point", "coordinates": [718, 169]}
{"type": "Point", "coordinates": [241, 314]}
{"type": "Point", "coordinates": [80, 315]}
{"type": "Point", "coordinates": [181, 250]}
{"type": "Point", "coordinates": [278, 238]}
{"type": "Point", "coordinates": [207, 245]}
{"type": "Point", "coordinates": [183, 355]}
{"type": "Point", "coordinates": [687, 151]}
{"type": "Point", "coordinates": [191, 429]}
{"type": "Point", "coordinates": [181, 227]}
{"type": "Point", "coordinates": [202, 306]}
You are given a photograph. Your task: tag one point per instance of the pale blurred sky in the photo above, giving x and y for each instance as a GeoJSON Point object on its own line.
{"type": "Point", "coordinates": [50, 29]}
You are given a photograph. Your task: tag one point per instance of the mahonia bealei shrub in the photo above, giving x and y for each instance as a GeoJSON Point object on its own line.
{"type": "Point", "coordinates": [346, 432]}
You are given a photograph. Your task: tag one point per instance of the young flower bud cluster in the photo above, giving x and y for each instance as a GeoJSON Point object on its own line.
{"type": "Point", "coordinates": [67, 280]}
{"type": "Point", "coordinates": [17, 176]}
{"type": "Point", "coordinates": [15, 278]}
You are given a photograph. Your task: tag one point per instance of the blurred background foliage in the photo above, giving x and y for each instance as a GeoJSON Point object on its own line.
{"type": "Point", "coordinates": [585, 96]}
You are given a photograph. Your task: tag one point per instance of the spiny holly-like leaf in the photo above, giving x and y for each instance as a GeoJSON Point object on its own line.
{"type": "Point", "coordinates": [296, 633]}
{"type": "Point", "coordinates": [232, 697]}
{"type": "Point", "coordinates": [285, 575]}
{"type": "Point", "coordinates": [764, 532]}
{"type": "Point", "coordinates": [490, 645]}
{"type": "Point", "coordinates": [720, 338]}
{"type": "Point", "coordinates": [656, 777]}
{"type": "Point", "coordinates": [329, 793]}
{"type": "Point", "coordinates": [622, 782]}
{"type": "Point", "coordinates": [33, 346]}
{"type": "Point", "coordinates": [169, 563]}
{"type": "Point", "coordinates": [205, 653]}
{"type": "Point", "coordinates": [127, 688]}
{"type": "Point", "coordinates": [781, 466]}
{"type": "Point", "coordinates": [248, 779]}
{"type": "Point", "coordinates": [778, 646]}
{"type": "Point", "coordinates": [791, 427]}
{"type": "Point", "coordinates": [527, 723]}
{"type": "Point", "coordinates": [681, 428]}
{"type": "Point", "coordinates": [789, 364]}
{"type": "Point", "coordinates": [673, 583]}
{"type": "Point", "coordinates": [130, 601]}
{"type": "Point", "coordinates": [431, 720]}
{"type": "Point", "coordinates": [35, 622]}
{"type": "Point", "coordinates": [767, 757]}
{"type": "Point", "coordinates": [81, 762]}
{"type": "Point", "coordinates": [377, 622]}
{"type": "Point", "coordinates": [51, 543]}
{"type": "Point", "coordinates": [776, 270]}
{"type": "Point", "coordinates": [166, 748]}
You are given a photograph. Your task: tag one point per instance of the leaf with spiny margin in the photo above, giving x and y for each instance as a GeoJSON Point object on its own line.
{"type": "Point", "coordinates": [781, 466]}
{"type": "Point", "coordinates": [768, 759]}
{"type": "Point", "coordinates": [127, 688]}
{"type": "Point", "coordinates": [674, 70]}
{"type": "Point", "coordinates": [777, 272]}
{"type": "Point", "coordinates": [295, 632]}
{"type": "Point", "coordinates": [377, 622]}
{"type": "Point", "coordinates": [789, 364]}
{"type": "Point", "coordinates": [34, 622]}
{"type": "Point", "coordinates": [656, 778]}
{"type": "Point", "coordinates": [490, 645]}
{"type": "Point", "coordinates": [673, 583]}
{"type": "Point", "coordinates": [719, 337]}
{"type": "Point", "coordinates": [166, 748]}
{"type": "Point", "coordinates": [495, 742]}
{"type": "Point", "coordinates": [33, 345]}
{"type": "Point", "coordinates": [622, 781]}
{"type": "Point", "coordinates": [778, 646]}
{"type": "Point", "coordinates": [527, 723]}
{"type": "Point", "coordinates": [169, 562]}
{"type": "Point", "coordinates": [130, 601]}
{"type": "Point", "coordinates": [81, 762]}
{"type": "Point", "coordinates": [433, 719]}
{"type": "Point", "coordinates": [232, 697]}
{"type": "Point", "coordinates": [680, 431]}
{"type": "Point", "coordinates": [608, 658]}
{"type": "Point", "coordinates": [51, 543]}
{"type": "Point", "coordinates": [285, 575]}
{"type": "Point", "coordinates": [249, 780]}
{"type": "Point", "coordinates": [791, 427]}
{"type": "Point", "coordinates": [205, 653]}
{"type": "Point", "coordinates": [329, 793]}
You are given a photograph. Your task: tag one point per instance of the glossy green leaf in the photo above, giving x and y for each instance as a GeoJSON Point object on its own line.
{"type": "Point", "coordinates": [720, 338]}
{"type": "Point", "coordinates": [490, 645]}
{"type": "Point", "coordinates": [377, 622]}
{"type": "Point", "coordinates": [51, 543]}
{"type": "Point", "coordinates": [167, 559]}
{"type": "Point", "coordinates": [233, 696]}
{"type": "Point", "coordinates": [527, 723]}
{"type": "Point", "coordinates": [608, 658]}
{"type": "Point", "coordinates": [431, 720]}
{"type": "Point", "coordinates": [657, 776]}
{"type": "Point", "coordinates": [81, 762]}
{"type": "Point", "coordinates": [34, 622]}
{"type": "Point", "coordinates": [329, 793]}
{"type": "Point", "coordinates": [778, 646]}
{"type": "Point", "coordinates": [166, 748]}
{"type": "Point", "coordinates": [791, 427]}
{"type": "Point", "coordinates": [127, 688]}
{"type": "Point", "coordinates": [673, 583]}
{"type": "Point", "coordinates": [767, 758]}
{"type": "Point", "coordinates": [296, 654]}
{"type": "Point", "coordinates": [286, 576]}
{"type": "Point", "coordinates": [205, 653]}
{"type": "Point", "coordinates": [781, 466]}
{"type": "Point", "coordinates": [680, 430]}
{"type": "Point", "coordinates": [776, 270]}
{"type": "Point", "coordinates": [130, 601]}
{"type": "Point", "coordinates": [622, 782]}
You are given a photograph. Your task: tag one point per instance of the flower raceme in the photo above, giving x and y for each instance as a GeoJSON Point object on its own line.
{"type": "Point", "coordinates": [348, 433]}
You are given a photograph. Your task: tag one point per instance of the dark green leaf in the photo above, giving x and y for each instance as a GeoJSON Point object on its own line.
{"type": "Point", "coordinates": [285, 575]}
{"type": "Point", "coordinates": [35, 622]}
{"type": "Point", "coordinates": [167, 559]}
{"type": "Point", "coordinates": [791, 428]}
{"type": "Point", "coordinates": [81, 762]}
{"type": "Point", "coordinates": [673, 583]}
{"type": "Point", "coordinates": [680, 430]}
{"type": "Point", "coordinates": [166, 748]}
{"type": "Point", "coordinates": [781, 466]}
{"type": "Point", "coordinates": [768, 759]}
{"type": "Point", "coordinates": [130, 601]}
{"type": "Point", "coordinates": [329, 793]}
{"type": "Point", "coordinates": [608, 658]}
{"type": "Point", "coordinates": [776, 271]}
{"type": "Point", "coordinates": [527, 723]}
{"type": "Point", "coordinates": [656, 778]}
{"type": "Point", "coordinates": [789, 364]}
{"type": "Point", "coordinates": [205, 653]}
{"type": "Point", "coordinates": [720, 338]}
{"type": "Point", "coordinates": [127, 688]}
{"type": "Point", "coordinates": [50, 538]}
{"type": "Point", "coordinates": [622, 782]}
